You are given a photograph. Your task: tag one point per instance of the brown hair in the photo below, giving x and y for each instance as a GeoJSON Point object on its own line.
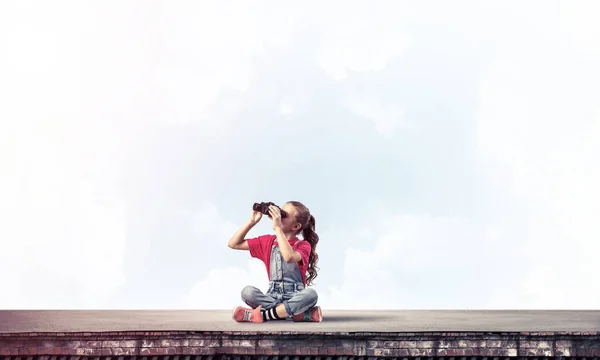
{"type": "Point", "coordinates": [304, 217]}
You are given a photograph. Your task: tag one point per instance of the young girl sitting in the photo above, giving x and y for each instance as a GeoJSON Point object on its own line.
{"type": "Point", "coordinates": [288, 261]}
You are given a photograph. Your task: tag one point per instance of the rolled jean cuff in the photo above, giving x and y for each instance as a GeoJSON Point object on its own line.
{"type": "Point", "coordinates": [287, 308]}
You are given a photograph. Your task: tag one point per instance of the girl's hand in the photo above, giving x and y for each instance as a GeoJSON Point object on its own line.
{"type": "Point", "coordinates": [255, 217]}
{"type": "Point", "coordinates": [276, 216]}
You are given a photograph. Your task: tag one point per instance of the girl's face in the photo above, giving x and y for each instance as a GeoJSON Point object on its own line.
{"type": "Point", "coordinates": [289, 222]}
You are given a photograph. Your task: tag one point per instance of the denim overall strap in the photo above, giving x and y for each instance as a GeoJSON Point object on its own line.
{"type": "Point", "coordinates": [286, 285]}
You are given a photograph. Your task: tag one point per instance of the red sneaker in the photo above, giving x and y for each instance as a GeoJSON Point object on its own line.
{"type": "Point", "coordinates": [242, 314]}
{"type": "Point", "coordinates": [313, 314]}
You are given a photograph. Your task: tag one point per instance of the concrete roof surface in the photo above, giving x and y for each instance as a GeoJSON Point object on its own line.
{"type": "Point", "coordinates": [333, 321]}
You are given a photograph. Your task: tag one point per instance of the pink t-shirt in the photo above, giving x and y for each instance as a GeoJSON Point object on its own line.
{"type": "Point", "coordinates": [260, 248]}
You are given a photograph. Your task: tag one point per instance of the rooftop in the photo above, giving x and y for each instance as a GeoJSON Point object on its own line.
{"type": "Point", "coordinates": [20, 321]}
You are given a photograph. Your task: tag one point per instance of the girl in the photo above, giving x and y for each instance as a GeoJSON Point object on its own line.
{"type": "Point", "coordinates": [288, 261]}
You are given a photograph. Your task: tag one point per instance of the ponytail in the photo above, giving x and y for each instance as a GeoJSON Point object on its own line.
{"type": "Point", "coordinates": [304, 217]}
{"type": "Point", "coordinates": [309, 234]}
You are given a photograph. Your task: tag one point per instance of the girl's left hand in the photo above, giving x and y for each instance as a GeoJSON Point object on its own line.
{"type": "Point", "coordinates": [276, 216]}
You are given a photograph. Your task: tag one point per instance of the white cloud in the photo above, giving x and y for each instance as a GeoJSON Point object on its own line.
{"type": "Point", "coordinates": [386, 117]}
{"type": "Point", "coordinates": [62, 219]}
{"type": "Point", "coordinates": [403, 271]}
{"type": "Point", "coordinates": [206, 222]}
{"type": "Point", "coordinates": [362, 37]}
{"type": "Point", "coordinates": [579, 21]}
{"type": "Point", "coordinates": [286, 108]}
{"type": "Point", "coordinates": [559, 191]}
{"type": "Point", "coordinates": [205, 47]}
{"type": "Point", "coordinates": [159, 63]}
{"type": "Point", "coordinates": [538, 125]}
{"type": "Point", "coordinates": [62, 233]}
{"type": "Point", "coordinates": [222, 286]}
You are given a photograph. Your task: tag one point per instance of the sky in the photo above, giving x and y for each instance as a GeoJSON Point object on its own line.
{"type": "Point", "coordinates": [448, 150]}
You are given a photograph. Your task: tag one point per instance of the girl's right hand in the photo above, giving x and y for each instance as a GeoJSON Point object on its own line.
{"type": "Point", "coordinates": [256, 216]}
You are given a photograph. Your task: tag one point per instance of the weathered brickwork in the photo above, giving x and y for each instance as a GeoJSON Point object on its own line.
{"type": "Point", "coordinates": [295, 346]}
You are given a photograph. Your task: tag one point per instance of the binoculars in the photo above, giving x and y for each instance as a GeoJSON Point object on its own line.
{"type": "Point", "coordinates": [263, 207]}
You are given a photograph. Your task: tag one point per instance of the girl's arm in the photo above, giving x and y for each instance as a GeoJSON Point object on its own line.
{"type": "Point", "coordinates": [237, 241]}
{"type": "Point", "coordinates": [287, 252]}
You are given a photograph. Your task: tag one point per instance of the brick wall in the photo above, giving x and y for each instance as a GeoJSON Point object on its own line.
{"type": "Point", "coordinates": [186, 345]}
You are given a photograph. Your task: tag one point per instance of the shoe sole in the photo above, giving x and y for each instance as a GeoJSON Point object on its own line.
{"type": "Point", "coordinates": [319, 311]}
{"type": "Point", "coordinates": [320, 315]}
{"type": "Point", "coordinates": [233, 314]}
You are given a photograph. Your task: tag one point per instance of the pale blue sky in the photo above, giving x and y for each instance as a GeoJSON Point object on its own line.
{"type": "Point", "coordinates": [448, 151]}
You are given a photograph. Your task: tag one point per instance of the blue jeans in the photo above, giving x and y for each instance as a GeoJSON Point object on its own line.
{"type": "Point", "coordinates": [293, 296]}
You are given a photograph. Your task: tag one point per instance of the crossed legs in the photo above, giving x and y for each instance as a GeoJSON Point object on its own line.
{"type": "Point", "coordinates": [296, 304]}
